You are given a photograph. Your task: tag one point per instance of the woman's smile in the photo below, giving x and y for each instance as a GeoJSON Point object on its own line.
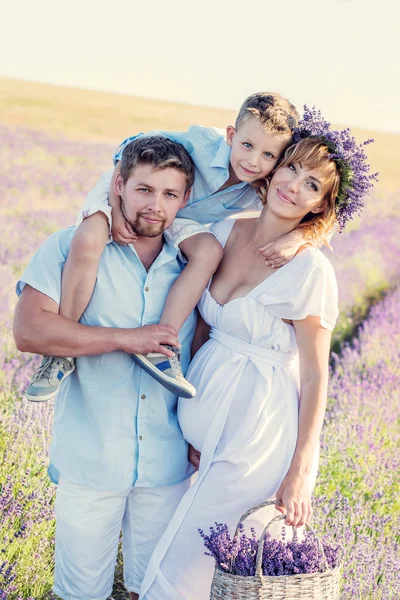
{"type": "Point", "coordinates": [284, 197]}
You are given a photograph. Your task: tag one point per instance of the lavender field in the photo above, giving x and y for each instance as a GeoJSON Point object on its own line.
{"type": "Point", "coordinates": [43, 182]}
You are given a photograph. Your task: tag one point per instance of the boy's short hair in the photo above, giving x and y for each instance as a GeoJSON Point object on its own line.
{"type": "Point", "coordinates": [159, 152]}
{"type": "Point", "coordinates": [275, 113]}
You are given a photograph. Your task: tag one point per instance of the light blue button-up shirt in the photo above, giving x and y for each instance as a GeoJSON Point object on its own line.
{"type": "Point", "coordinates": [211, 156]}
{"type": "Point", "coordinates": [114, 426]}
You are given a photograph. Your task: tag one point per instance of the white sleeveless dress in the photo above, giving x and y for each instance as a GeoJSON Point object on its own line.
{"type": "Point", "coordinates": [244, 418]}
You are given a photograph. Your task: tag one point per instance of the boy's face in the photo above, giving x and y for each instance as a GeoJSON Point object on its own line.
{"type": "Point", "coordinates": [255, 152]}
{"type": "Point", "coordinates": [151, 198]}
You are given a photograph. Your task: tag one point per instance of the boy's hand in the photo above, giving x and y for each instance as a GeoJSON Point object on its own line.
{"type": "Point", "coordinates": [122, 231]}
{"type": "Point", "coordinates": [194, 457]}
{"type": "Point", "coordinates": [282, 250]}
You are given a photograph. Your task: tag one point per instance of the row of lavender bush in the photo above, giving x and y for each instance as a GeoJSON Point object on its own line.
{"type": "Point", "coordinates": [43, 183]}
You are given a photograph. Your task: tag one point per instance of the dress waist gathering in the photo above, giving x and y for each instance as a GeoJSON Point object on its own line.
{"type": "Point", "coordinates": [275, 358]}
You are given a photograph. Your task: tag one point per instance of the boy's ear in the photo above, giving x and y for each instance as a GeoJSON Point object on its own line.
{"type": "Point", "coordinates": [230, 134]}
{"type": "Point", "coordinates": [118, 184]}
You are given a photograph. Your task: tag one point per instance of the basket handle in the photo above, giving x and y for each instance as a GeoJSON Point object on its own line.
{"type": "Point", "coordinates": [261, 541]}
{"type": "Point", "coordinates": [253, 510]}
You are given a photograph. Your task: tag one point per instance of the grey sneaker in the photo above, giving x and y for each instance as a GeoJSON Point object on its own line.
{"type": "Point", "coordinates": [167, 371]}
{"type": "Point", "coordinates": [46, 381]}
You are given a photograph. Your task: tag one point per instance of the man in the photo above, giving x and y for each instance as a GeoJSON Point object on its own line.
{"type": "Point", "coordinates": [117, 452]}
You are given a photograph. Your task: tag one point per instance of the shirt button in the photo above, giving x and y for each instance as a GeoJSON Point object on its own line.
{"type": "Point", "coordinates": [140, 438]}
{"type": "Point", "coordinates": [146, 289]}
{"type": "Point", "coordinates": [143, 396]}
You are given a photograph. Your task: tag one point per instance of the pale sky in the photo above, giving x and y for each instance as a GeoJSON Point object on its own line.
{"type": "Point", "coordinates": [341, 55]}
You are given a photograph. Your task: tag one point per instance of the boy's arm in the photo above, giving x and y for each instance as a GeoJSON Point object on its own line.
{"type": "Point", "coordinates": [282, 250]}
{"type": "Point", "coordinates": [102, 198]}
{"type": "Point", "coordinates": [38, 328]}
{"type": "Point", "coordinates": [97, 199]}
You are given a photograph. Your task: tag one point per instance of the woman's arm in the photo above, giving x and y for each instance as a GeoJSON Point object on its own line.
{"type": "Point", "coordinates": [313, 342]}
{"type": "Point", "coordinates": [201, 335]}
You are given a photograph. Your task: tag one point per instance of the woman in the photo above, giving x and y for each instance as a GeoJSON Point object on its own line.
{"type": "Point", "coordinates": [262, 375]}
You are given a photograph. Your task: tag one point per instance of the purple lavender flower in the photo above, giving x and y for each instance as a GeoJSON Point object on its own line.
{"type": "Point", "coordinates": [280, 557]}
{"type": "Point", "coordinates": [351, 159]}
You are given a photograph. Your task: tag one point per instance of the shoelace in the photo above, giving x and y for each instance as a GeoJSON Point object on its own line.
{"type": "Point", "coordinates": [174, 361]}
{"type": "Point", "coordinates": [49, 369]}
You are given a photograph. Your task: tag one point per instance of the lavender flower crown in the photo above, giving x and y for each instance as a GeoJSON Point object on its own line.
{"type": "Point", "coordinates": [350, 158]}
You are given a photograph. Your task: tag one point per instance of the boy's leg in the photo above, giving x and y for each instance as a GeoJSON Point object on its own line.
{"type": "Point", "coordinates": [80, 271]}
{"type": "Point", "coordinates": [78, 281]}
{"type": "Point", "coordinates": [148, 512]}
{"type": "Point", "coordinates": [204, 254]}
{"type": "Point", "coordinates": [88, 525]}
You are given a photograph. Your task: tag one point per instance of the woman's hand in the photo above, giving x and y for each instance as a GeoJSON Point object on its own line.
{"type": "Point", "coordinates": [282, 250]}
{"type": "Point", "coordinates": [294, 495]}
{"type": "Point", "coordinates": [122, 231]}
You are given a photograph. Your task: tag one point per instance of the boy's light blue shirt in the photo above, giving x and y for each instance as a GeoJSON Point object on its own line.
{"type": "Point", "coordinates": [114, 426]}
{"type": "Point", "coordinates": [211, 156]}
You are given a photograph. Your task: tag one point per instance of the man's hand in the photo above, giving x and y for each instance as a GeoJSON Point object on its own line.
{"type": "Point", "coordinates": [149, 338]}
{"type": "Point", "coordinates": [194, 456]}
{"type": "Point", "coordinates": [122, 231]}
{"type": "Point", "coordinates": [282, 250]}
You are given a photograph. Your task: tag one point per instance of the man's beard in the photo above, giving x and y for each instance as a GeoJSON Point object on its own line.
{"type": "Point", "coordinates": [141, 227]}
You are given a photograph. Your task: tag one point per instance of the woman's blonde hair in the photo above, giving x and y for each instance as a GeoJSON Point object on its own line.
{"type": "Point", "coordinates": [312, 153]}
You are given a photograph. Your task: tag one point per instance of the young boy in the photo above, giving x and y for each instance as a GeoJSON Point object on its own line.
{"type": "Point", "coordinates": [225, 169]}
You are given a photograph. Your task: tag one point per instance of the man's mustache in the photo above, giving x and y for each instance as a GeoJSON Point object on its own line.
{"type": "Point", "coordinates": [151, 215]}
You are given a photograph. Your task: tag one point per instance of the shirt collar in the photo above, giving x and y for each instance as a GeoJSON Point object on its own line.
{"type": "Point", "coordinates": [168, 253]}
{"type": "Point", "coordinates": [222, 156]}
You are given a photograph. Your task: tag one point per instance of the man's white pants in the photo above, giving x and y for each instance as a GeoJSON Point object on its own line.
{"type": "Point", "coordinates": [88, 525]}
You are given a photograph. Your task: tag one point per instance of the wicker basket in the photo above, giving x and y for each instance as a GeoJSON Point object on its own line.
{"type": "Point", "coordinates": [315, 586]}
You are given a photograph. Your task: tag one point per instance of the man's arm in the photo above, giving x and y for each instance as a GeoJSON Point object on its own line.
{"type": "Point", "coordinates": [38, 328]}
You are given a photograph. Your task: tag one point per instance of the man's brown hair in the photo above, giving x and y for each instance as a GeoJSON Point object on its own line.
{"type": "Point", "coordinates": [159, 152]}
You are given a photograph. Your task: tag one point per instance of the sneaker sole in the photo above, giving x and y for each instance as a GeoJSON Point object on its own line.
{"type": "Point", "coordinates": [166, 382]}
{"type": "Point", "coordinates": [48, 396]}
{"type": "Point", "coordinates": [41, 398]}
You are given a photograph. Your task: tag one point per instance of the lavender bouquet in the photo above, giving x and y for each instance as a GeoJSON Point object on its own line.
{"type": "Point", "coordinates": [280, 557]}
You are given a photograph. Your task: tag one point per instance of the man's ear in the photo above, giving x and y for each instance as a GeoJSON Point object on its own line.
{"type": "Point", "coordinates": [230, 134]}
{"type": "Point", "coordinates": [118, 184]}
{"type": "Point", "coordinates": [185, 198]}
